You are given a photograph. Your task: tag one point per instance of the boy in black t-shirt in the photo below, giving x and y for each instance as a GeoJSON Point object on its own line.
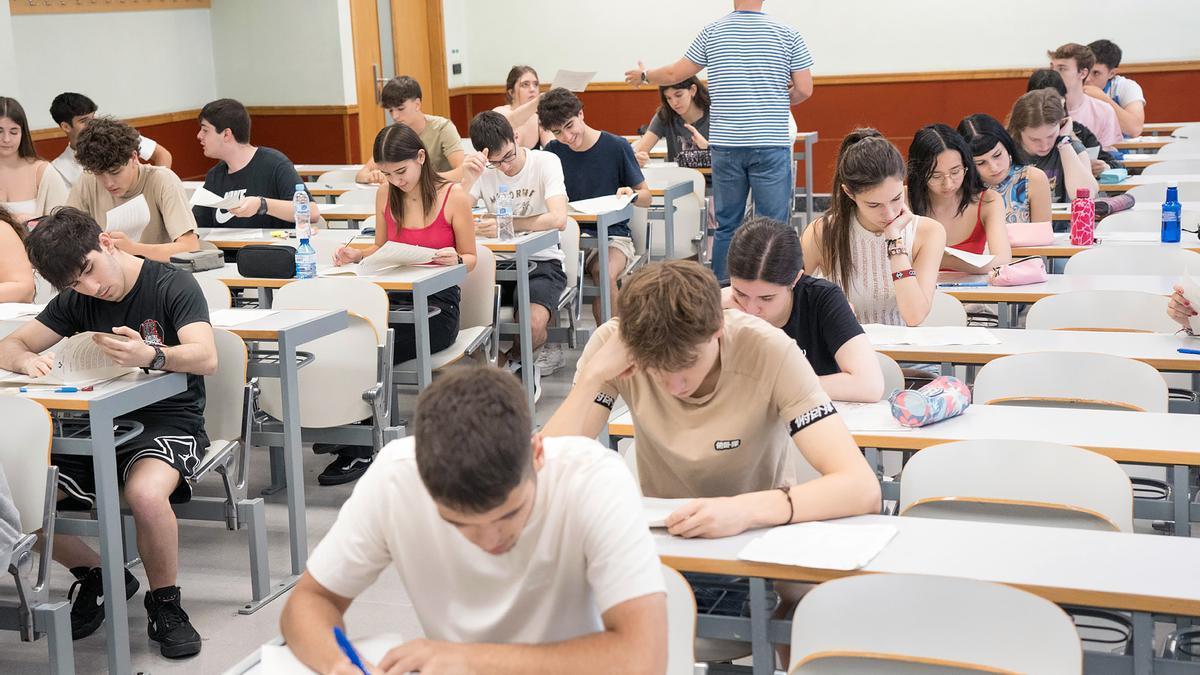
{"type": "Point", "coordinates": [264, 179]}
{"type": "Point", "coordinates": [153, 316]}
{"type": "Point", "coordinates": [595, 164]}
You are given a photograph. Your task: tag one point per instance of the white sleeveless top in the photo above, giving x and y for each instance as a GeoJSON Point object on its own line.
{"type": "Point", "coordinates": [23, 206]}
{"type": "Point", "coordinates": [870, 288]}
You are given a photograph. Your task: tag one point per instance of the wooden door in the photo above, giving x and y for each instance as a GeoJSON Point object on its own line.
{"type": "Point", "coordinates": [419, 40]}
{"type": "Point", "coordinates": [368, 73]}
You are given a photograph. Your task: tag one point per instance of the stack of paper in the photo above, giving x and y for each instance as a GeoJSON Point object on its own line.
{"type": "Point", "coordinates": [827, 546]}
{"type": "Point", "coordinates": [226, 318]}
{"type": "Point", "coordinates": [928, 336]}
{"type": "Point", "coordinates": [868, 417]}
{"type": "Point", "coordinates": [597, 205]}
{"type": "Point", "coordinates": [657, 509]}
{"type": "Point", "coordinates": [279, 660]}
{"type": "Point", "coordinates": [390, 256]}
{"type": "Point", "coordinates": [130, 218]}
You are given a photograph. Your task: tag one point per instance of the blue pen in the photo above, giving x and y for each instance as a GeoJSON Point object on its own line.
{"type": "Point", "coordinates": [53, 390]}
{"type": "Point", "coordinates": [964, 284]}
{"type": "Point", "coordinates": [348, 650]}
{"type": "Point", "coordinates": [1183, 350]}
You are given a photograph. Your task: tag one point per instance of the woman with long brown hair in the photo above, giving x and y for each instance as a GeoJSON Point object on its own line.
{"type": "Point", "coordinates": [29, 186]}
{"type": "Point", "coordinates": [883, 255]}
{"type": "Point", "coordinates": [681, 118]}
{"type": "Point", "coordinates": [1040, 126]}
{"type": "Point", "coordinates": [522, 90]}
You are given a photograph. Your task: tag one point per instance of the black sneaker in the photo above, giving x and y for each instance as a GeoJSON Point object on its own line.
{"type": "Point", "coordinates": [87, 606]}
{"type": "Point", "coordinates": [344, 469]}
{"type": "Point", "coordinates": [168, 625]}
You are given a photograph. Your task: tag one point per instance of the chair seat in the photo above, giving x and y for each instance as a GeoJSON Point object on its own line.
{"type": "Point", "coordinates": [713, 650]}
{"type": "Point", "coordinates": [468, 340]}
{"type": "Point", "coordinates": [219, 452]}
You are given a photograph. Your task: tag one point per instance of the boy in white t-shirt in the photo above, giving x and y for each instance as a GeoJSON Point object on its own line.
{"type": "Point", "coordinates": [534, 178]}
{"type": "Point", "coordinates": [505, 544]}
{"type": "Point", "coordinates": [1121, 93]}
{"type": "Point", "coordinates": [72, 112]}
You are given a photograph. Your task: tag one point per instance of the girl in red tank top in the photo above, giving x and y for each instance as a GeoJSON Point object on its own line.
{"type": "Point", "coordinates": [944, 184]}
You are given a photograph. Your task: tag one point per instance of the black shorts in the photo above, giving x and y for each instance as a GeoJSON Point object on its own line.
{"type": "Point", "coordinates": [179, 447]}
{"type": "Point", "coordinates": [546, 283]}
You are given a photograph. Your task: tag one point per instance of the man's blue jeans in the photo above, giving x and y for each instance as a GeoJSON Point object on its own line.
{"type": "Point", "coordinates": [764, 171]}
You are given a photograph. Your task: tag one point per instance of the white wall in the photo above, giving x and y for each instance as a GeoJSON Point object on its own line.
{"type": "Point", "coordinates": [845, 36]}
{"type": "Point", "coordinates": [283, 52]}
{"type": "Point", "coordinates": [454, 13]}
{"type": "Point", "coordinates": [129, 63]}
{"type": "Point", "coordinates": [9, 86]}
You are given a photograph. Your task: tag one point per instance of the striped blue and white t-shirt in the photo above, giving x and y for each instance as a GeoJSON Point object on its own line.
{"type": "Point", "coordinates": [750, 58]}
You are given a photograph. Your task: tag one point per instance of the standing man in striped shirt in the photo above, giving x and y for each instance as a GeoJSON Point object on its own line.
{"type": "Point", "coordinates": [757, 69]}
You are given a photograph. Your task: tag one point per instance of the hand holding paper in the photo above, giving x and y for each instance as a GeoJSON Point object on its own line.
{"type": "Point", "coordinates": [202, 197]}
{"type": "Point", "coordinates": [572, 80]}
{"type": "Point", "coordinates": [130, 218]}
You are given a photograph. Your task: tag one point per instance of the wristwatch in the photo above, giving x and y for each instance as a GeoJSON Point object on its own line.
{"type": "Point", "coordinates": [159, 360]}
{"type": "Point", "coordinates": [262, 205]}
{"type": "Point", "coordinates": [645, 79]}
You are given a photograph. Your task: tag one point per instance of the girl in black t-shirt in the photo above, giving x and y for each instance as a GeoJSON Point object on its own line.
{"type": "Point", "coordinates": [766, 279]}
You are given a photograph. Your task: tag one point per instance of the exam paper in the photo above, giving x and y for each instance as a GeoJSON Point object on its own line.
{"type": "Point", "coordinates": [130, 218]}
{"type": "Point", "coordinates": [1130, 236]}
{"type": "Point", "coordinates": [389, 256]}
{"type": "Point", "coordinates": [981, 260]}
{"type": "Point", "coordinates": [202, 197]}
{"type": "Point", "coordinates": [572, 80]}
{"type": "Point", "coordinates": [226, 318]}
{"type": "Point", "coordinates": [279, 659]}
{"type": "Point", "coordinates": [1191, 293]}
{"type": "Point", "coordinates": [820, 545]}
{"type": "Point", "coordinates": [869, 417]}
{"type": "Point", "coordinates": [597, 205]}
{"type": "Point", "coordinates": [928, 336]}
{"type": "Point", "coordinates": [657, 509]}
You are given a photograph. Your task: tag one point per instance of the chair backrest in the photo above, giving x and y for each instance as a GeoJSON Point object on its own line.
{"type": "Point", "coordinates": [1155, 193]}
{"type": "Point", "coordinates": [893, 376]}
{"type": "Point", "coordinates": [224, 390]}
{"type": "Point", "coordinates": [1143, 221]}
{"type": "Point", "coordinates": [479, 291]}
{"type": "Point", "coordinates": [216, 294]}
{"type": "Point", "coordinates": [1133, 259]}
{"type": "Point", "coordinates": [364, 196]}
{"type": "Point", "coordinates": [1071, 380]}
{"type": "Point", "coordinates": [568, 241]}
{"type": "Point", "coordinates": [25, 456]}
{"type": "Point", "coordinates": [948, 623]}
{"type": "Point", "coordinates": [639, 231]}
{"type": "Point", "coordinates": [337, 176]}
{"type": "Point", "coordinates": [1023, 482]}
{"type": "Point", "coordinates": [1133, 311]}
{"type": "Point", "coordinates": [369, 222]}
{"type": "Point", "coordinates": [1173, 167]}
{"type": "Point", "coordinates": [346, 364]}
{"type": "Point", "coordinates": [687, 217]}
{"type": "Point", "coordinates": [1183, 146]}
{"type": "Point", "coordinates": [946, 310]}
{"type": "Point", "coordinates": [1189, 131]}
{"type": "Point", "coordinates": [681, 624]}
{"type": "Point", "coordinates": [360, 296]}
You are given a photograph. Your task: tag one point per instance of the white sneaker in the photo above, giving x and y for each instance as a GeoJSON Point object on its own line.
{"type": "Point", "coordinates": [550, 358]}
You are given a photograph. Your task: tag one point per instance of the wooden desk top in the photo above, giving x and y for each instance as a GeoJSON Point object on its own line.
{"type": "Point", "coordinates": [392, 280]}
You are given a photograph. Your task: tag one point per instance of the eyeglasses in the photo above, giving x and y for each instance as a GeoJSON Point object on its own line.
{"type": "Point", "coordinates": [954, 174]}
{"type": "Point", "coordinates": [507, 159]}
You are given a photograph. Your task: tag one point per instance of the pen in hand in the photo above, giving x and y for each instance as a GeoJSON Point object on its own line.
{"type": "Point", "coordinates": [348, 649]}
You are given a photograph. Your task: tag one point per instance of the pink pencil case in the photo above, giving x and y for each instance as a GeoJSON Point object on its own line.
{"type": "Point", "coordinates": [941, 399]}
{"type": "Point", "coordinates": [1019, 273]}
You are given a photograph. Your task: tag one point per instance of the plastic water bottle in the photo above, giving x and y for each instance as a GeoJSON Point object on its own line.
{"type": "Point", "coordinates": [504, 214]}
{"type": "Point", "coordinates": [306, 255]}
{"type": "Point", "coordinates": [1172, 211]}
{"type": "Point", "coordinates": [1083, 218]}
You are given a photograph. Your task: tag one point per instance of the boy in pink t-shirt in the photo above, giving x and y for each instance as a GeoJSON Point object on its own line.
{"type": "Point", "coordinates": [1074, 62]}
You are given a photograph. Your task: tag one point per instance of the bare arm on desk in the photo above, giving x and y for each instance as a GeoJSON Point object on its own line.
{"type": "Point", "coordinates": [555, 217]}
{"type": "Point", "coordinates": [20, 351]}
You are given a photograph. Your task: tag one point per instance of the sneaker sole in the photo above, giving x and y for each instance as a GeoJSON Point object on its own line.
{"type": "Point", "coordinates": [179, 651]}
{"type": "Point", "coordinates": [339, 480]}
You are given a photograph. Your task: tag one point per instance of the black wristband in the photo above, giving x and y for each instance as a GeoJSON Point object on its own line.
{"type": "Point", "coordinates": [606, 400]}
{"type": "Point", "coordinates": [816, 414]}
{"type": "Point", "coordinates": [787, 492]}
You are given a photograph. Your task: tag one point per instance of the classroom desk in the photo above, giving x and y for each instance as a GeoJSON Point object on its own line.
{"type": "Point", "coordinates": [1008, 298]}
{"type": "Point", "coordinates": [668, 192]}
{"type": "Point", "coordinates": [228, 239]}
{"type": "Point", "coordinates": [1063, 248]}
{"type": "Point", "coordinates": [600, 243]}
{"type": "Point", "coordinates": [1163, 128]}
{"type": "Point", "coordinates": [421, 281]}
{"type": "Point", "coordinates": [1144, 143]}
{"type": "Point", "coordinates": [104, 405]}
{"type": "Point", "coordinates": [1153, 179]}
{"type": "Point", "coordinates": [1147, 575]}
{"type": "Point", "coordinates": [521, 248]}
{"type": "Point", "coordinates": [1061, 212]}
{"type": "Point", "coordinates": [312, 171]}
{"type": "Point", "coordinates": [351, 214]}
{"type": "Point", "coordinates": [369, 648]}
{"type": "Point", "coordinates": [1142, 161]}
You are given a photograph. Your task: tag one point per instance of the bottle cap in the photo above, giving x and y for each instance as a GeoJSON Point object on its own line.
{"type": "Point", "coordinates": [1083, 193]}
{"type": "Point", "coordinates": [299, 187]}
{"type": "Point", "coordinates": [1172, 184]}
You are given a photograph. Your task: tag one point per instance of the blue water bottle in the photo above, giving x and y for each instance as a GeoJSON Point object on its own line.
{"type": "Point", "coordinates": [306, 255]}
{"type": "Point", "coordinates": [1172, 213]}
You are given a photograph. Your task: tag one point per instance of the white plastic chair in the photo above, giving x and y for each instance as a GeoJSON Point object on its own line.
{"type": "Point", "coordinates": [1071, 379]}
{"type": "Point", "coordinates": [893, 376]}
{"type": "Point", "coordinates": [32, 482]}
{"type": "Point", "coordinates": [216, 294]}
{"type": "Point", "coordinates": [1134, 259]}
{"type": "Point", "coordinates": [1189, 131]}
{"type": "Point", "coordinates": [681, 623]}
{"type": "Point", "coordinates": [946, 310]}
{"type": "Point", "coordinates": [945, 625]}
{"type": "Point", "coordinates": [1155, 193]}
{"type": "Point", "coordinates": [1143, 221]}
{"type": "Point", "coordinates": [1023, 482]}
{"type": "Point", "coordinates": [1183, 146]}
{"type": "Point", "coordinates": [1173, 167]}
{"type": "Point", "coordinates": [1117, 311]}
{"type": "Point", "coordinates": [364, 196]}
{"type": "Point", "coordinates": [337, 176]}
{"type": "Point", "coordinates": [688, 209]}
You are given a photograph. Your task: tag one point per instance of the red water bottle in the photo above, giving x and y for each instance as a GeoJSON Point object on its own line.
{"type": "Point", "coordinates": [1083, 218]}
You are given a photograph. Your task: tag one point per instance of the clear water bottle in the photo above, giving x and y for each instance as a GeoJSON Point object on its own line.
{"type": "Point", "coordinates": [504, 214]}
{"type": "Point", "coordinates": [1083, 218]}
{"type": "Point", "coordinates": [1172, 212]}
{"type": "Point", "coordinates": [306, 255]}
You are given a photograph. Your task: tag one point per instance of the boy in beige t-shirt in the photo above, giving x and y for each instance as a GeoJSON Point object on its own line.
{"type": "Point", "coordinates": [401, 98]}
{"type": "Point", "coordinates": [107, 149]}
{"type": "Point", "coordinates": [719, 400]}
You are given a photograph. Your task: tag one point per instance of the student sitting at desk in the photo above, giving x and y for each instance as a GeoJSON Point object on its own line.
{"type": "Point", "coordinates": [107, 149]}
{"type": "Point", "coordinates": [1121, 93]}
{"type": "Point", "coordinates": [884, 257]}
{"type": "Point", "coordinates": [417, 207]}
{"type": "Point", "coordinates": [1074, 62]}
{"type": "Point", "coordinates": [264, 179]}
{"type": "Point", "coordinates": [519, 554]}
{"type": "Point", "coordinates": [29, 186]}
{"type": "Point", "coordinates": [944, 184]}
{"type": "Point", "coordinates": [767, 280]}
{"type": "Point", "coordinates": [1045, 78]}
{"type": "Point", "coordinates": [401, 98]}
{"type": "Point", "coordinates": [595, 164]}
{"type": "Point", "coordinates": [1041, 128]}
{"type": "Point", "coordinates": [1024, 189]}
{"type": "Point", "coordinates": [681, 119]}
{"type": "Point", "coordinates": [72, 112]}
{"type": "Point", "coordinates": [522, 90]}
{"type": "Point", "coordinates": [16, 274]}
{"type": "Point", "coordinates": [534, 179]}
{"type": "Point", "coordinates": [160, 320]}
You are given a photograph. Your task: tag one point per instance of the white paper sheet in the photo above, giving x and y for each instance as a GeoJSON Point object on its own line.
{"type": "Point", "coordinates": [928, 336]}
{"type": "Point", "coordinates": [279, 660]}
{"type": "Point", "coordinates": [1093, 152]}
{"type": "Point", "coordinates": [78, 361]}
{"type": "Point", "coordinates": [657, 509]}
{"type": "Point", "coordinates": [828, 546]}
{"type": "Point", "coordinates": [202, 197]}
{"type": "Point", "coordinates": [130, 218]}
{"type": "Point", "coordinates": [1130, 236]}
{"type": "Point", "coordinates": [389, 256]}
{"type": "Point", "coordinates": [980, 260]}
{"type": "Point", "coordinates": [17, 310]}
{"type": "Point", "coordinates": [572, 80]}
{"type": "Point", "coordinates": [868, 417]}
{"type": "Point", "coordinates": [597, 205]}
{"type": "Point", "coordinates": [226, 318]}
{"type": "Point", "coordinates": [230, 234]}
{"type": "Point", "coordinates": [1191, 292]}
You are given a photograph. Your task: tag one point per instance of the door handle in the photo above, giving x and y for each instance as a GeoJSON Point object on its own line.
{"type": "Point", "coordinates": [378, 84]}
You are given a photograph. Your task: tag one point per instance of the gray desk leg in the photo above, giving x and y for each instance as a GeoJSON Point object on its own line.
{"type": "Point", "coordinates": [112, 559]}
{"type": "Point", "coordinates": [1181, 496]}
{"type": "Point", "coordinates": [1143, 643]}
{"type": "Point", "coordinates": [265, 297]}
{"type": "Point", "coordinates": [669, 226]}
{"type": "Point", "coordinates": [421, 334]}
{"type": "Point", "coordinates": [1003, 315]}
{"type": "Point", "coordinates": [293, 463]}
{"type": "Point", "coordinates": [523, 327]}
{"type": "Point", "coordinates": [760, 619]}
{"type": "Point", "coordinates": [602, 268]}
{"type": "Point", "coordinates": [808, 179]}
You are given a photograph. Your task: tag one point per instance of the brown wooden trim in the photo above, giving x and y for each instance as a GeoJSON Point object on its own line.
{"type": "Point", "coordinates": [1051, 506]}
{"type": "Point", "coordinates": [1065, 401]}
{"type": "Point", "coordinates": [18, 7]}
{"type": "Point", "coordinates": [187, 115]}
{"type": "Point", "coordinates": [902, 658]}
{"type": "Point", "coordinates": [336, 109]}
{"type": "Point", "coordinates": [904, 441]}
